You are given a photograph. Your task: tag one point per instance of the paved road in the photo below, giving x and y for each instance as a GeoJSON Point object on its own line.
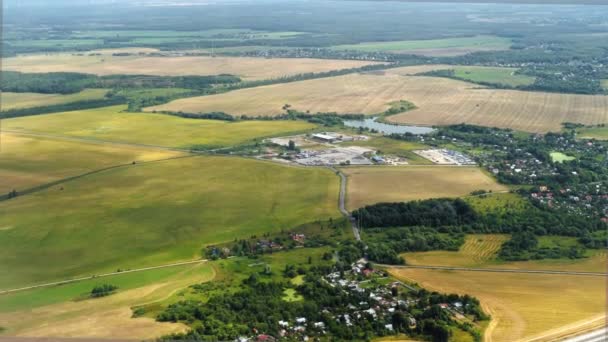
{"type": "Point", "coordinates": [498, 270]}
{"type": "Point", "coordinates": [599, 335]}
{"type": "Point", "coordinates": [100, 276]}
{"type": "Point", "coordinates": [342, 205]}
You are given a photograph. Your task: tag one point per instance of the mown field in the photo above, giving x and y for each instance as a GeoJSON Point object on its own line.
{"type": "Point", "coordinates": [247, 68]}
{"type": "Point", "coordinates": [440, 101]}
{"type": "Point", "coordinates": [506, 76]}
{"type": "Point", "coordinates": [112, 124]}
{"type": "Point", "coordinates": [27, 161]}
{"type": "Point", "coordinates": [434, 47]}
{"type": "Point", "coordinates": [27, 100]}
{"type": "Point", "coordinates": [522, 306]}
{"type": "Point", "coordinates": [65, 311]}
{"type": "Point", "coordinates": [150, 214]}
{"type": "Point", "coordinates": [369, 185]}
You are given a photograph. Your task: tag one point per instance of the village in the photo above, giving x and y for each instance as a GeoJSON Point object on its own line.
{"type": "Point", "coordinates": [375, 299]}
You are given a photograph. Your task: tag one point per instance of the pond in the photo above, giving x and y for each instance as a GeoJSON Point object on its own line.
{"type": "Point", "coordinates": [385, 128]}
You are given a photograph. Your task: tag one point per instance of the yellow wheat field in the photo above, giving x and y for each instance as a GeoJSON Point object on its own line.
{"type": "Point", "coordinates": [245, 67]}
{"type": "Point", "coordinates": [440, 101]}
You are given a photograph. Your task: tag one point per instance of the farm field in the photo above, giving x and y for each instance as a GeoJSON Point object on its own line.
{"type": "Point", "coordinates": [26, 100]}
{"type": "Point", "coordinates": [155, 213]}
{"type": "Point", "coordinates": [244, 67]}
{"type": "Point", "coordinates": [369, 185]}
{"type": "Point", "coordinates": [522, 306]}
{"type": "Point", "coordinates": [64, 311]}
{"type": "Point", "coordinates": [506, 76]}
{"type": "Point", "coordinates": [599, 133]}
{"type": "Point", "coordinates": [27, 161]}
{"type": "Point", "coordinates": [434, 47]}
{"type": "Point", "coordinates": [440, 101]}
{"type": "Point", "coordinates": [480, 251]}
{"type": "Point", "coordinates": [112, 124]}
{"type": "Point", "coordinates": [605, 84]}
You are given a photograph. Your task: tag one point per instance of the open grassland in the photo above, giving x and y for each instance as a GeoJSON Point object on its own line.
{"type": "Point", "coordinates": [439, 101]}
{"type": "Point", "coordinates": [247, 68]}
{"type": "Point", "coordinates": [605, 84]}
{"type": "Point", "coordinates": [154, 213]}
{"type": "Point", "coordinates": [558, 157]}
{"type": "Point", "coordinates": [480, 251]}
{"type": "Point", "coordinates": [506, 76]}
{"type": "Point", "coordinates": [599, 133]}
{"type": "Point", "coordinates": [112, 124]}
{"type": "Point", "coordinates": [369, 185]}
{"type": "Point", "coordinates": [27, 161]}
{"type": "Point", "coordinates": [521, 305]}
{"type": "Point", "coordinates": [497, 202]}
{"type": "Point", "coordinates": [27, 100]}
{"type": "Point", "coordinates": [64, 311]}
{"type": "Point", "coordinates": [434, 47]}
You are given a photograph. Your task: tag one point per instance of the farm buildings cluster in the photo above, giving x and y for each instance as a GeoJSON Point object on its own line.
{"type": "Point", "coordinates": [323, 149]}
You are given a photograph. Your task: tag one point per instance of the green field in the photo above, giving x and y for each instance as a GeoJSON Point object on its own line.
{"type": "Point", "coordinates": [46, 43]}
{"type": "Point", "coordinates": [150, 214]}
{"type": "Point", "coordinates": [27, 161]}
{"type": "Point", "coordinates": [599, 133]}
{"type": "Point", "coordinates": [559, 157]}
{"type": "Point", "coordinates": [605, 84]}
{"type": "Point", "coordinates": [496, 202]}
{"type": "Point", "coordinates": [474, 43]}
{"type": "Point", "coordinates": [112, 124]}
{"type": "Point", "coordinates": [506, 76]}
{"type": "Point", "coordinates": [31, 299]}
{"type": "Point", "coordinates": [26, 100]}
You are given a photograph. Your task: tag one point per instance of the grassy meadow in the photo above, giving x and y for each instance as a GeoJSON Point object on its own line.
{"type": "Point", "coordinates": [244, 67]}
{"type": "Point", "coordinates": [27, 100]}
{"type": "Point", "coordinates": [369, 185]}
{"type": "Point", "coordinates": [113, 124]}
{"type": "Point", "coordinates": [599, 133]}
{"type": "Point", "coordinates": [64, 311]}
{"type": "Point", "coordinates": [558, 157]}
{"type": "Point", "coordinates": [506, 76]}
{"type": "Point", "coordinates": [27, 161]}
{"type": "Point", "coordinates": [434, 47]}
{"type": "Point", "coordinates": [439, 101]}
{"type": "Point", "coordinates": [154, 213]}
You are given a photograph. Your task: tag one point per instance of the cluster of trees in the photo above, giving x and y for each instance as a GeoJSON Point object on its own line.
{"type": "Point", "coordinates": [66, 107]}
{"type": "Point", "coordinates": [430, 213]}
{"type": "Point", "coordinates": [524, 246]}
{"type": "Point", "coordinates": [103, 290]}
{"type": "Point", "coordinates": [70, 83]}
{"type": "Point", "coordinates": [385, 244]}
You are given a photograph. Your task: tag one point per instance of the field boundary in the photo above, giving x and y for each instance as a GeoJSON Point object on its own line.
{"type": "Point", "coordinates": [63, 282]}
{"type": "Point", "coordinates": [497, 270]}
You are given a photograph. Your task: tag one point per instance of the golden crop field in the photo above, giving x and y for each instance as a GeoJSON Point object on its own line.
{"type": "Point", "coordinates": [27, 100]}
{"type": "Point", "coordinates": [440, 101]}
{"type": "Point", "coordinates": [369, 185]}
{"type": "Point", "coordinates": [522, 306]}
{"type": "Point", "coordinates": [27, 161]}
{"type": "Point", "coordinates": [248, 68]}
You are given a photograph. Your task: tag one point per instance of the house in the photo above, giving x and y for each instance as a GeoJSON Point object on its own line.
{"type": "Point", "coordinates": [301, 320]}
{"type": "Point", "coordinates": [389, 327]}
{"type": "Point", "coordinates": [283, 324]}
{"type": "Point", "coordinates": [319, 325]}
